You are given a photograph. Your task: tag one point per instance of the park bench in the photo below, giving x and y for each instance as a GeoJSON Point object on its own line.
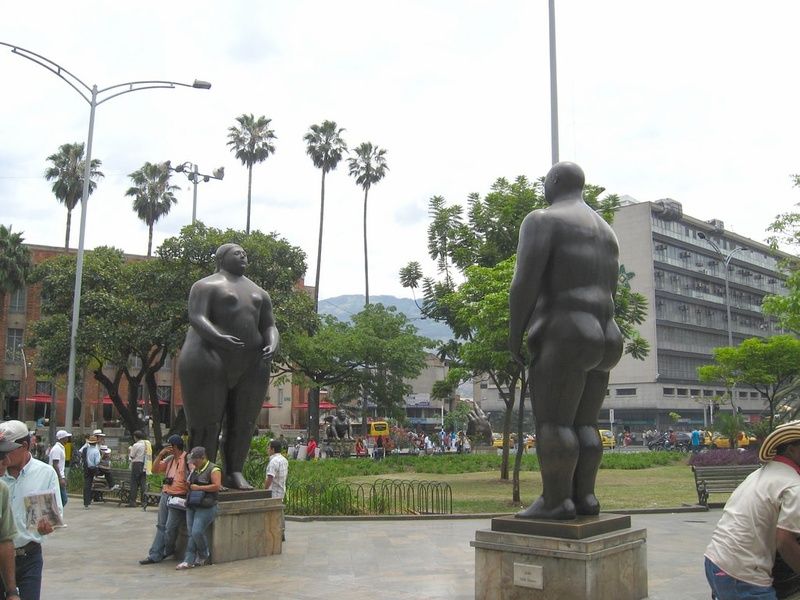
{"type": "Point", "coordinates": [719, 479]}
{"type": "Point", "coordinates": [121, 492]}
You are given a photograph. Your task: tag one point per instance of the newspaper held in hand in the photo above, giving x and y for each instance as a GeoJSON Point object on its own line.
{"type": "Point", "coordinates": [42, 505]}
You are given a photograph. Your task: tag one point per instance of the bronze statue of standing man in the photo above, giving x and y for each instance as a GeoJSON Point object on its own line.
{"type": "Point", "coordinates": [224, 364]}
{"type": "Point", "coordinates": [562, 295]}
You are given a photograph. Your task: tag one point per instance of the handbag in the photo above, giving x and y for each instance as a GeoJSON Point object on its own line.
{"type": "Point", "coordinates": [195, 498]}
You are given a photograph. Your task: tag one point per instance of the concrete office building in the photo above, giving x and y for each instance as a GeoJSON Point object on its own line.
{"type": "Point", "coordinates": [682, 275]}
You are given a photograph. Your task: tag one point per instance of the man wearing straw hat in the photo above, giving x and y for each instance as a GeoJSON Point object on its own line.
{"type": "Point", "coordinates": [761, 516]}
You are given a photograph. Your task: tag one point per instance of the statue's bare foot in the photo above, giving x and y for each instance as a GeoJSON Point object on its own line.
{"type": "Point", "coordinates": [537, 510]}
{"type": "Point", "coordinates": [588, 505]}
{"type": "Point", "coordinates": [237, 481]}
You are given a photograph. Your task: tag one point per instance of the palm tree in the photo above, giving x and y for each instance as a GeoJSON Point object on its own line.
{"type": "Point", "coordinates": [368, 167]}
{"type": "Point", "coordinates": [67, 176]}
{"type": "Point", "coordinates": [324, 144]}
{"type": "Point", "coordinates": [15, 262]}
{"type": "Point", "coordinates": [152, 195]}
{"type": "Point", "coordinates": [251, 143]}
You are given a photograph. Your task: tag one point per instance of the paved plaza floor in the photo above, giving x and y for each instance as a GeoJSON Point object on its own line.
{"type": "Point", "coordinates": [96, 557]}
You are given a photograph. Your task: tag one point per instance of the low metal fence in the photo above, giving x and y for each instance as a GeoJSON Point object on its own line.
{"type": "Point", "coordinates": [382, 497]}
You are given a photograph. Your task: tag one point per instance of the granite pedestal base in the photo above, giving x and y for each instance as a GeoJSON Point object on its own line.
{"type": "Point", "coordinates": [248, 525]}
{"type": "Point", "coordinates": [592, 558]}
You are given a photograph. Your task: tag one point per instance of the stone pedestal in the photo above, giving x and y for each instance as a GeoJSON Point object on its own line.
{"type": "Point", "coordinates": [592, 558]}
{"type": "Point", "coordinates": [248, 524]}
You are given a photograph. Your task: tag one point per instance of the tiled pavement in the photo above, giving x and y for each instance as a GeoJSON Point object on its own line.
{"type": "Point", "coordinates": [97, 555]}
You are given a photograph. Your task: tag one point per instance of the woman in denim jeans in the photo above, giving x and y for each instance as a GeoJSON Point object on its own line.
{"type": "Point", "coordinates": [205, 477]}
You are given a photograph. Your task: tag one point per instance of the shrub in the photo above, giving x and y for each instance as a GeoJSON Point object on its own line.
{"type": "Point", "coordinates": [723, 456]}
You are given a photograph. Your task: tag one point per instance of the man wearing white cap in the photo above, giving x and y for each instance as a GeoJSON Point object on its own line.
{"type": "Point", "coordinates": [7, 531]}
{"type": "Point", "coordinates": [58, 460]}
{"type": "Point", "coordinates": [759, 518]}
{"type": "Point", "coordinates": [26, 475]}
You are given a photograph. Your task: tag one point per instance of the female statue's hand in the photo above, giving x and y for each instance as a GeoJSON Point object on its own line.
{"type": "Point", "coordinates": [231, 342]}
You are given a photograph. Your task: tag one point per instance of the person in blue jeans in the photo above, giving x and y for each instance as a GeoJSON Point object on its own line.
{"type": "Point", "coordinates": [205, 477]}
{"type": "Point", "coordinates": [759, 519]}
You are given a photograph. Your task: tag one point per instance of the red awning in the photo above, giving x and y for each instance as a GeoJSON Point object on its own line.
{"type": "Point", "coordinates": [268, 405]}
{"type": "Point", "coordinates": [107, 400]}
{"type": "Point", "coordinates": [322, 405]}
{"type": "Point", "coordinates": [42, 398]}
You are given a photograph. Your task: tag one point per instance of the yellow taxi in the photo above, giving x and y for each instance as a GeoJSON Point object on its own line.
{"type": "Point", "coordinates": [721, 441]}
{"type": "Point", "coordinates": [607, 438]}
{"type": "Point", "coordinates": [497, 441]}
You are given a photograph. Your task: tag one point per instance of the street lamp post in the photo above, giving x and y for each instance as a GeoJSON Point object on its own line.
{"type": "Point", "coordinates": [726, 259]}
{"type": "Point", "coordinates": [93, 97]}
{"type": "Point", "coordinates": [193, 175]}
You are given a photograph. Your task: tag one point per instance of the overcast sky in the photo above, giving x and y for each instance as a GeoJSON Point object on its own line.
{"type": "Point", "coordinates": [689, 100]}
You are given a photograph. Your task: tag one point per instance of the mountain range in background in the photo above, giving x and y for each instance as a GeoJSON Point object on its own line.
{"type": "Point", "coordinates": [343, 307]}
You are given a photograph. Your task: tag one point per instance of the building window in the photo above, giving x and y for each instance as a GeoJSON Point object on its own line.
{"type": "Point", "coordinates": [695, 393]}
{"type": "Point", "coordinates": [708, 393]}
{"type": "Point", "coordinates": [167, 363]}
{"type": "Point", "coordinates": [17, 302]}
{"type": "Point", "coordinates": [626, 392]}
{"type": "Point", "coordinates": [280, 396]}
{"type": "Point", "coordinates": [44, 388]}
{"type": "Point", "coordinates": [742, 394]}
{"type": "Point", "coordinates": [683, 392]}
{"type": "Point", "coordinates": [164, 393]}
{"type": "Point", "coordinates": [14, 345]}
{"type": "Point", "coordinates": [669, 391]}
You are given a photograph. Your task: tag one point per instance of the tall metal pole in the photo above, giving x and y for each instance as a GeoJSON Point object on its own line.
{"type": "Point", "coordinates": [76, 296]}
{"type": "Point", "coordinates": [553, 84]}
{"type": "Point", "coordinates": [728, 301]}
{"type": "Point", "coordinates": [194, 196]}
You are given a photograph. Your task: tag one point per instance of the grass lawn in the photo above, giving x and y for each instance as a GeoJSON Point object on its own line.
{"type": "Point", "coordinates": [656, 487]}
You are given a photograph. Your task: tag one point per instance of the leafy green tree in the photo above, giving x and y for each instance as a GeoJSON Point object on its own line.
{"type": "Point", "coordinates": [67, 172]}
{"type": "Point", "coordinates": [152, 195]}
{"type": "Point", "coordinates": [785, 230]}
{"type": "Point", "coordinates": [457, 419]}
{"type": "Point", "coordinates": [325, 146]}
{"type": "Point", "coordinates": [335, 354]}
{"type": "Point", "coordinates": [251, 142]}
{"type": "Point", "coordinates": [15, 262]}
{"type": "Point", "coordinates": [770, 366]}
{"type": "Point", "coordinates": [730, 424]}
{"type": "Point", "coordinates": [368, 167]}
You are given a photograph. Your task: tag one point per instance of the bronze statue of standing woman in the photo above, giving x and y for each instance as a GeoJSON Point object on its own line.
{"type": "Point", "coordinates": [224, 364]}
{"type": "Point", "coordinates": [562, 297]}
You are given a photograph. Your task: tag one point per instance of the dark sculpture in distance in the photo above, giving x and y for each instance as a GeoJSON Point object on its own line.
{"type": "Point", "coordinates": [224, 364]}
{"type": "Point", "coordinates": [479, 430]}
{"type": "Point", "coordinates": [339, 427]}
{"type": "Point", "coordinates": [562, 295]}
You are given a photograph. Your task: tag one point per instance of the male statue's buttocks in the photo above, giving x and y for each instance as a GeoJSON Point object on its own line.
{"type": "Point", "coordinates": [562, 295]}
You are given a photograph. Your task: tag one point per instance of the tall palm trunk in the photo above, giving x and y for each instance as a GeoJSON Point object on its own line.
{"type": "Point", "coordinates": [249, 192]}
{"type": "Point", "coordinates": [319, 243]}
{"type": "Point", "coordinates": [366, 259]}
{"type": "Point", "coordinates": [69, 223]}
{"type": "Point", "coordinates": [150, 240]}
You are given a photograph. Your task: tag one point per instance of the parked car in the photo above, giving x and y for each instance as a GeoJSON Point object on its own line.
{"type": "Point", "coordinates": [683, 442]}
{"type": "Point", "coordinates": [743, 440]}
{"type": "Point", "coordinates": [607, 438]}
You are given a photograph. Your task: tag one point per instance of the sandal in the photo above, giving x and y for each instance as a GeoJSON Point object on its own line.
{"type": "Point", "coordinates": [184, 565]}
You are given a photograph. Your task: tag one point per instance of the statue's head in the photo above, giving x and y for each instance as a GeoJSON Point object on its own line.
{"type": "Point", "coordinates": [341, 414]}
{"type": "Point", "coordinates": [231, 258]}
{"type": "Point", "coordinates": [564, 178]}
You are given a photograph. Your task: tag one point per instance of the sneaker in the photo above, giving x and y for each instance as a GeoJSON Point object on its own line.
{"type": "Point", "coordinates": [147, 561]}
{"type": "Point", "coordinates": [183, 566]}
{"type": "Point", "coordinates": [201, 562]}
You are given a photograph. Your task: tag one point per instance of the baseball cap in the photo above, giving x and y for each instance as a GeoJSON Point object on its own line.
{"type": "Point", "coordinates": [6, 446]}
{"type": "Point", "coordinates": [61, 434]}
{"type": "Point", "coordinates": [14, 430]}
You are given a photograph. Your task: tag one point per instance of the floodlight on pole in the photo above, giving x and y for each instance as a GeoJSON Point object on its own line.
{"type": "Point", "coordinates": [95, 97]}
{"type": "Point", "coordinates": [192, 174]}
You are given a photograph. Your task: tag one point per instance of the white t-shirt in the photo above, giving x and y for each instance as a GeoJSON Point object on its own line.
{"type": "Point", "coordinates": [57, 453]}
{"type": "Point", "coordinates": [278, 467]}
{"type": "Point", "coordinates": [744, 542]}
